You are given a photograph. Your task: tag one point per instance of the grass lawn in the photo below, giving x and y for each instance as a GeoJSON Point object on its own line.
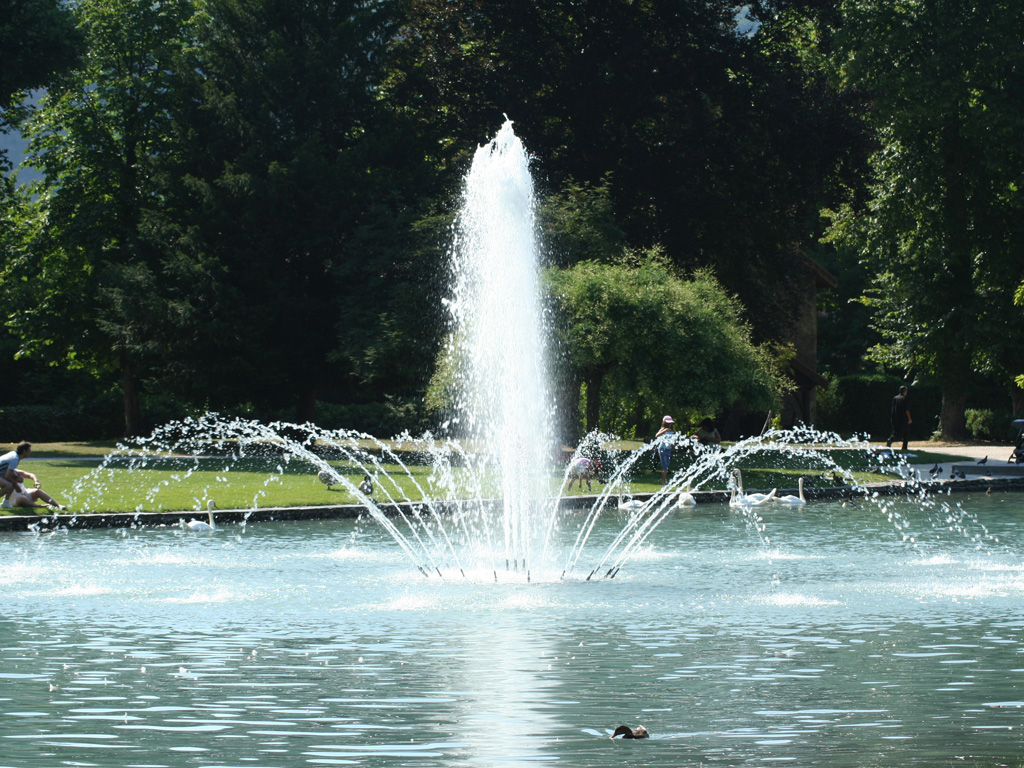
{"type": "Point", "coordinates": [69, 472]}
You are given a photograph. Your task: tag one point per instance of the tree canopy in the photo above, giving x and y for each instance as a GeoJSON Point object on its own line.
{"type": "Point", "coordinates": [644, 342]}
{"type": "Point", "coordinates": [245, 203]}
{"type": "Point", "coordinates": [941, 230]}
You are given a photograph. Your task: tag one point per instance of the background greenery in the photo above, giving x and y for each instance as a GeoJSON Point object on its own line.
{"type": "Point", "coordinates": [72, 473]}
{"type": "Point", "coordinates": [245, 205]}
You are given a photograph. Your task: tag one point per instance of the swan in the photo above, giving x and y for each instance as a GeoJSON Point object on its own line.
{"type": "Point", "coordinates": [686, 498]}
{"type": "Point", "coordinates": [631, 733]}
{"type": "Point", "coordinates": [738, 499]}
{"type": "Point", "coordinates": [199, 525]}
{"type": "Point", "coordinates": [794, 501]}
{"type": "Point", "coordinates": [632, 505]}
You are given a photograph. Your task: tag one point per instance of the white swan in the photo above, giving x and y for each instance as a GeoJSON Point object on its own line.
{"type": "Point", "coordinates": [632, 505]}
{"type": "Point", "coordinates": [737, 498]}
{"type": "Point", "coordinates": [199, 525]}
{"type": "Point", "coordinates": [794, 501]}
{"type": "Point", "coordinates": [686, 498]}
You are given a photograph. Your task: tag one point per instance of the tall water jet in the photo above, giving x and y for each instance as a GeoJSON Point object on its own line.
{"type": "Point", "coordinates": [497, 334]}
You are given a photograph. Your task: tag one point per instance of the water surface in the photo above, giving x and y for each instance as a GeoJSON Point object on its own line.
{"type": "Point", "coordinates": [850, 640]}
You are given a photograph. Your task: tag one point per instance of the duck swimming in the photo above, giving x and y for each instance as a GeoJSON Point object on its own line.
{"type": "Point", "coordinates": [631, 733]}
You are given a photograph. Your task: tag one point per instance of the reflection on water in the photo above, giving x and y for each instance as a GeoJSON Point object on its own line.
{"type": "Point", "coordinates": [318, 644]}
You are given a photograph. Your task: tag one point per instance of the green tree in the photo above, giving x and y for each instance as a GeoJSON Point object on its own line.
{"type": "Point", "coordinates": [300, 186]}
{"type": "Point", "coordinates": [942, 228]}
{"type": "Point", "coordinates": [633, 332]}
{"type": "Point", "coordinates": [578, 224]}
{"type": "Point", "coordinates": [39, 39]}
{"type": "Point", "coordinates": [720, 148]}
{"type": "Point", "coordinates": [94, 289]}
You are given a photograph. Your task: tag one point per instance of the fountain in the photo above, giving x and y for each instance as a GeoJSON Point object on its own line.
{"type": "Point", "coordinates": [858, 628]}
{"type": "Point", "coordinates": [497, 338]}
{"type": "Point", "coordinates": [489, 507]}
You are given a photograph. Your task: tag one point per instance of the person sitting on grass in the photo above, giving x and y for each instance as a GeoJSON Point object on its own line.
{"type": "Point", "coordinates": [9, 461]}
{"type": "Point", "coordinates": [707, 433]}
{"type": "Point", "coordinates": [13, 481]}
{"type": "Point", "coordinates": [22, 497]}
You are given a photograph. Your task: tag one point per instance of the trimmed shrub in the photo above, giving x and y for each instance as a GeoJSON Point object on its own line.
{"type": "Point", "coordinates": [986, 424]}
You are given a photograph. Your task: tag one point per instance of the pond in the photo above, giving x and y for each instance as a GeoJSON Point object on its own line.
{"type": "Point", "coordinates": [841, 643]}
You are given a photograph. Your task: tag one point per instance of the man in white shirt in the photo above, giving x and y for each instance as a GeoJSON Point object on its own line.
{"type": "Point", "coordinates": [12, 481]}
{"type": "Point", "coordinates": [9, 475]}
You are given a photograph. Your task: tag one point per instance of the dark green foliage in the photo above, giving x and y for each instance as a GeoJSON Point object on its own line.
{"type": "Point", "coordinates": [860, 403]}
{"type": "Point", "coordinates": [386, 418]}
{"type": "Point", "coordinates": [301, 195]}
{"type": "Point", "coordinates": [89, 284]}
{"type": "Point", "coordinates": [986, 424]}
{"type": "Point", "coordinates": [53, 423]}
{"type": "Point", "coordinates": [38, 39]}
{"type": "Point", "coordinates": [246, 202]}
{"type": "Point", "coordinates": [718, 149]}
{"type": "Point", "coordinates": [941, 233]}
{"type": "Point", "coordinates": [579, 224]}
{"type": "Point", "coordinates": [637, 335]}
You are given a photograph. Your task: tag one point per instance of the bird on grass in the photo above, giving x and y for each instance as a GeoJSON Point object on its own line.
{"type": "Point", "coordinates": [366, 487]}
{"type": "Point", "coordinates": [327, 477]}
{"type": "Point", "coordinates": [631, 733]}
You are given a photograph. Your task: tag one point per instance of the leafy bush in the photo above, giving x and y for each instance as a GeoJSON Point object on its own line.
{"type": "Point", "coordinates": [985, 424]}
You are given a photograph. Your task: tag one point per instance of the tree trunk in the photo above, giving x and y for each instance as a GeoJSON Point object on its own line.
{"type": "Point", "coordinates": [568, 411]}
{"type": "Point", "coordinates": [952, 420]}
{"type": "Point", "coordinates": [305, 408]}
{"type": "Point", "coordinates": [953, 360]}
{"type": "Point", "coordinates": [1017, 397]}
{"type": "Point", "coordinates": [130, 391]}
{"type": "Point", "coordinates": [637, 418]}
{"type": "Point", "coordinates": [594, 399]}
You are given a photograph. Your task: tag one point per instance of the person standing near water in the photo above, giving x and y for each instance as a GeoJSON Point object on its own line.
{"type": "Point", "coordinates": [663, 440]}
{"type": "Point", "coordinates": [901, 421]}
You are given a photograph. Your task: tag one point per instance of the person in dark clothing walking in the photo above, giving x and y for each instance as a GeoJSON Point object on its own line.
{"type": "Point", "coordinates": [901, 420]}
